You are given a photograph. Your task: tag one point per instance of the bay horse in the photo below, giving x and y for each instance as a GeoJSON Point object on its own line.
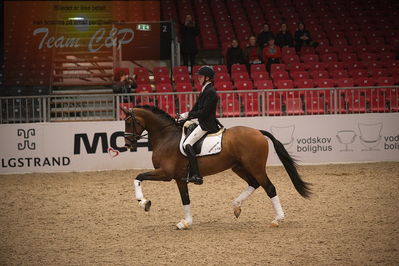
{"type": "Point", "coordinates": [244, 150]}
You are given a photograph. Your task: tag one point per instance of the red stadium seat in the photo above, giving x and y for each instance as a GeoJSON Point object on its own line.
{"type": "Point", "coordinates": [264, 84]}
{"type": "Point", "coordinates": [182, 78]}
{"type": "Point", "coordinates": [356, 104]}
{"type": "Point", "coordinates": [239, 76]}
{"type": "Point", "coordinates": [260, 76]}
{"type": "Point", "coordinates": [183, 87]}
{"type": "Point", "coordinates": [296, 67]}
{"type": "Point", "coordinates": [273, 105]}
{"type": "Point", "coordinates": [223, 86]}
{"type": "Point", "coordinates": [222, 77]}
{"type": "Point", "coordinates": [378, 104]}
{"type": "Point", "coordinates": [332, 57]}
{"type": "Point", "coordinates": [144, 80]}
{"type": "Point", "coordinates": [230, 108]}
{"type": "Point", "coordinates": [220, 69]}
{"type": "Point", "coordinates": [277, 75]}
{"type": "Point", "coordinates": [299, 75]}
{"type": "Point", "coordinates": [243, 85]}
{"type": "Point", "coordinates": [319, 74]}
{"type": "Point", "coordinates": [161, 71]}
{"type": "Point", "coordinates": [166, 103]}
{"type": "Point", "coordinates": [177, 70]}
{"type": "Point", "coordinates": [314, 105]}
{"type": "Point", "coordinates": [278, 67]}
{"type": "Point", "coordinates": [336, 74]}
{"type": "Point", "coordinates": [294, 106]}
{"type": "Point", "coordinates": [165, 87]}
{"type": "Point", "coordinates": [140, 71]}
{"type": "Point", "coordinates": [357, 73]}
{"type": "Point", "coordinates": [143, 88]}
{"type": "Point", "coordinates": [310, 58]}
{"type": "Point", "coordinates": [238, 69]}
{"type": "Point", "coordinates": [161, 79]}
{"type": "Point", "coordinates": [257, 68]}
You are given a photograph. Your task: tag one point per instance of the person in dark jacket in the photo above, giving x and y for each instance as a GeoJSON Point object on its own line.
{"type": "Point", "coordinates": [189, 32]}
{"type": "Point", "coordinates": [284, 38]}
{"type": "Point", "coordinates": [303, 38]}
{"type": "Point", "coordinates": [205, 110]}
{"type": "Point", "coordinates": [234, 55]}
{"type": "Point", "coordinates": [264, 36]}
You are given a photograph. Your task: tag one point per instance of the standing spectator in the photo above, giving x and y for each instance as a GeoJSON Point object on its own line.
{"type": "Point", "coordinates": [264, 36]}
{"type": "Point", "coordinates": [284, 38]}
{"type": "Point", "coordinates": [271, 54]}
{"type": "Point", "coordinates": [189, 31]}
{"type": "Point", "coordinates": [303, 38]}
{"type": "Point", "coordinates": [125, 84]}
{"type": "Point", "coordinates": [234, 55]}
{"type": "Point", "coordinates": [253, 54]}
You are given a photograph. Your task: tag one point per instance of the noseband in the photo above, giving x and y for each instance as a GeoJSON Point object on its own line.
{"type": "Point", "coordinates": [135, 136]}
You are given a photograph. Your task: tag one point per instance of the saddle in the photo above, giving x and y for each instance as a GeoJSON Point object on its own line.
{"type": "Point", "coordinates": [207, 145]}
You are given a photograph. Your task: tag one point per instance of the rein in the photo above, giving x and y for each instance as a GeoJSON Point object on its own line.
{"type": "Point", "coordinates": [134, 134]}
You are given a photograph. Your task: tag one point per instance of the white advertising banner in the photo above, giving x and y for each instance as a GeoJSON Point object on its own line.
{"type": "Point", "coordinates": [84, 146]}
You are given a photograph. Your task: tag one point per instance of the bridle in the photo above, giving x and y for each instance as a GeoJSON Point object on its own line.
{"type": "Point", "coordinates": [134, 134]}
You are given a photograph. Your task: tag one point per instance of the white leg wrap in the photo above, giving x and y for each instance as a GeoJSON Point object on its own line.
{"type": "Point", "coordinates": [137, 190]}
{"type": "Point", "coordinates": [185, 223]}
{"type": "Point", "coordinates": [243, 196]}
{"type": "Point", "coordinates": [187, 214]}
{"type": "Point", "coordinates": [277, 208]}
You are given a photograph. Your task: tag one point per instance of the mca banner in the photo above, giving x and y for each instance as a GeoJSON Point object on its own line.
{"type": "Point", "coordinates": [91, 146]}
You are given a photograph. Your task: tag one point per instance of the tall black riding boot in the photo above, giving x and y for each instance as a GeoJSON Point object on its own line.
{"type": "Point", "coordinates": [194, 176]}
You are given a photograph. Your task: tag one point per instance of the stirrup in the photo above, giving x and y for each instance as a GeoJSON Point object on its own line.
{"type": "Point", "coordinates": [194, 179]}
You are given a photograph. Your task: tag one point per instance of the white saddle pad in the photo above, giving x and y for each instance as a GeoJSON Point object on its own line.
{"type": "Point", "coordinates": [212, 143]}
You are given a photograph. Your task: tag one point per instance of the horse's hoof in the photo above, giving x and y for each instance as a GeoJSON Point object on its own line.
{"type": "Point", "coordinates": [145, 204]}
{"type": "Point", "coordinates": [183, 225]}
{"type": "Point", "coordinates": [274, 223]}
{"type": "Point", "coordinates": [237, 211]}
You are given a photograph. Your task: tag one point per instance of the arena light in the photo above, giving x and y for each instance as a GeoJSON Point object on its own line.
{"type": "Point", "coordinates": [76, 18]}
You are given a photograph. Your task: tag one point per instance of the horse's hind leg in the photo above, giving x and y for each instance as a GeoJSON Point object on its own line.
{"type": "Point", "coordinates": [252, 185]}
{"type": "Point", "coordinates": [259, 174]}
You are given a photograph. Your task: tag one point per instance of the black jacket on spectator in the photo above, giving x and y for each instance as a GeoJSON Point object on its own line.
{"type": "Point", "coordinates": [188, 39]}
{"type": "Point", "coordinates": [284, 39]}
{"type": "Point", "coordinates": [205, 109]}
{"type": "Point", "coordinates": [299, 42]}
{"type": "Point", "coordinates": [234, 56]}
{"type": "Point", "coordinates": [263, 38]}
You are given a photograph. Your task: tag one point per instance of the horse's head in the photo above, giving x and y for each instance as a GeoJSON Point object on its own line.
{"type": "Point", "coordinates": [134, 127]}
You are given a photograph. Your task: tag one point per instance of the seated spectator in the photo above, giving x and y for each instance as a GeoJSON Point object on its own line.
{"type": "Point", "coordinates": [284, 38]}
{"type": "Point", "coordinates": [125, 84]}
{"type": "Point", "coordinates": [253, 54]}
{"type": "Point", "coordinates": [303, 38]}
{"type": "Point", "coordinates": [264, 36]}
{"type": "Point", "coordinates": [234, 55]}
{"type": "Point", "coordinates": [271, 54]}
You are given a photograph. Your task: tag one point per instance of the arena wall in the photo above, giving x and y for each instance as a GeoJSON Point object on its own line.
{"type": "Point", "coordinates": [88, 146]}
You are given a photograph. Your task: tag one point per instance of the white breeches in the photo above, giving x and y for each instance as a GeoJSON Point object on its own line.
{"type": "Point", "coordinates": [194, 136]}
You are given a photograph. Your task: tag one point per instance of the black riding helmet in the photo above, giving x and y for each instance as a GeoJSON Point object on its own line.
{"type": "Point", "coordinates": [206, 71]}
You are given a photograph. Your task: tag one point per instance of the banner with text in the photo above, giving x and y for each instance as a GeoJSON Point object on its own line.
{"type": "Point", "coordinates": [84, 146]}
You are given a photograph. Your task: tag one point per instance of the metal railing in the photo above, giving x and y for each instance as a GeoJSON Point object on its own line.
{"type": "Point", "coordinates": [244, 103]}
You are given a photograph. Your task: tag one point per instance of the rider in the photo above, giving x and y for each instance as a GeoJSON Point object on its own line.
{"type": "Point", "coordinates": [205, 110]}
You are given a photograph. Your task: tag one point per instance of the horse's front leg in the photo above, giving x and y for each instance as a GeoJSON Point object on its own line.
{"type": "Point", "coordinates": [187, 221]}
{"type": "Point", "coordinates": [156, 175]}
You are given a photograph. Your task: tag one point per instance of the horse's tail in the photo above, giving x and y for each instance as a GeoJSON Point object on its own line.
{"type": "Point", "coordinates": [290, 166]}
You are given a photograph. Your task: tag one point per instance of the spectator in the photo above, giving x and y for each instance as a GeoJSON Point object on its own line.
{"type": "Point", "coordinates": [264, 36]}
{"type": "Point", "coordinates": [303, 38]}
{"type": "Point", "coordinates": [189, 32]}
{"type": "Point", "coordinates": [253, 54]}
{"type": "Point", "coordinates": [234, 55]}
{"type": "Point", "coordinates": [271, 54]}
{"type": "Point", "coordinates": [284, 38]}
{"type": "Point", "coordinates": [125, 84]}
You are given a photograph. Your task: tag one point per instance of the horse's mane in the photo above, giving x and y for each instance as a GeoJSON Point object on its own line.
{"type": "Point", "coordinates": [159, 112]}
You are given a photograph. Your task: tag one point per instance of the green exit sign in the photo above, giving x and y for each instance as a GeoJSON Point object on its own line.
{"type": "Point", "coordinates": [143, 27]}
